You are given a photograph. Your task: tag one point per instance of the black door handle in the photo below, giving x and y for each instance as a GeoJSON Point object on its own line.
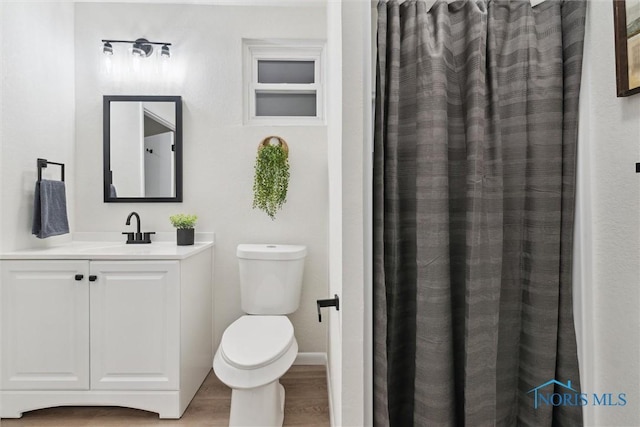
{"type": "Point", "coordinates": [93, 278]}
{"type": "Point", "coordinates": [333, 302]}
{"type": "Point", "coordinates": [79, 276]}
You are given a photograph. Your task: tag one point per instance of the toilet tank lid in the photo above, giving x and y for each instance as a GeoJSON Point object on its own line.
{"type": "Point", "coordinates": [271, 251]}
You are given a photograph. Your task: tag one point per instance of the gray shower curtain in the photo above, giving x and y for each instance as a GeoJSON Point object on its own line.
{"type": "Point", "coordinates": [474, 181]}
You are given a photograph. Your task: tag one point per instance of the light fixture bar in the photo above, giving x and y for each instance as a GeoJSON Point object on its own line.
{"type": "Point", "coordinates": [135, 41]}
{"type": "Point", "coordinates": [140, 48]}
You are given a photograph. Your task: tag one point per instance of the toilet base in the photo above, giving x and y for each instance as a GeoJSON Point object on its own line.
{"type": "Point", "coordinates": [266, 405]}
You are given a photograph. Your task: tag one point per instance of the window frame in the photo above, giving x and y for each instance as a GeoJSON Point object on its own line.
{"type": "Point", "coordinates": [283, 50]}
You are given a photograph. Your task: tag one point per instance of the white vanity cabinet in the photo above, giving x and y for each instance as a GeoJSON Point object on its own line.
{"type": "Point", "coordinates": [134, 333]}
{"type": "Point", "coordinates": [44, 325]}
{"type": "Point", "coordinates": [135, 325]}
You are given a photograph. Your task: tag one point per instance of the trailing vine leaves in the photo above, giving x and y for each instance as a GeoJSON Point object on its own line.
{"type": "Point", "coordinates": [271, 179]}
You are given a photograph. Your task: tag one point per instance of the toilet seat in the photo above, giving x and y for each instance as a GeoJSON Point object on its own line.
{"type": "Point", "coordinates": [255, 351]}
{"type": "Point", "coordinates": [252, 342]}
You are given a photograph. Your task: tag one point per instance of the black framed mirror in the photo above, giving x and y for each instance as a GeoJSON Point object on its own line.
{"type": "Point", "coordinates": [142, 146]}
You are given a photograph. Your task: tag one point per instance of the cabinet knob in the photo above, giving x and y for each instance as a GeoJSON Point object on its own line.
{"type": "Point", "coordinates": [93, 278]}
{"type": "Point", "coordinates": [79, 276]}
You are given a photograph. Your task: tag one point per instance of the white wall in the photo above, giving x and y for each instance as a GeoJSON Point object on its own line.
{"type": "Point", "coordinates": [37, 97]}
{"type": "Point", "coordinates": [219, 152]}
{"type": "Point", "coordinates": [2, 14]}
{"type": "Point", "coordinates": [334, 120]}
{"type": "Point", "coordinates": [609, 234]}
{"type": "Point", "coordinates": [356, 214]}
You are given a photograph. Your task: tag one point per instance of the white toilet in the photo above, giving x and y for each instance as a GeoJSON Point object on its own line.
{"type": "Point", "coordinates": [258, 348]}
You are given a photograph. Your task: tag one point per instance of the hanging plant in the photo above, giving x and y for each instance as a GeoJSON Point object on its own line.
{"type": "Point", "coordinates": [272, 176]}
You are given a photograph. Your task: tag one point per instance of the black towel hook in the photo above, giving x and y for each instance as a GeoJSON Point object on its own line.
{"type": "Point", "coordinates": [42, 163]}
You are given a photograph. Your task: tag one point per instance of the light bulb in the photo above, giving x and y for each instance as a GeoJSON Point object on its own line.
{"type": "Point", "coordinates": [165, 53]}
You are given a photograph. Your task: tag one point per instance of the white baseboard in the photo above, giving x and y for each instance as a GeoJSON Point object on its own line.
{"type": "Point", "coordinates": [311, 359]}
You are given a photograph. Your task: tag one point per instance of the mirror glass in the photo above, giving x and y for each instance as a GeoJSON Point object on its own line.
{"type": "Point", "coordinates": [142, 149]}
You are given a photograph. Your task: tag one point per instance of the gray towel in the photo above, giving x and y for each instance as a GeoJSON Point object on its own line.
{"type": "Point", "coordinates": [49, 209]}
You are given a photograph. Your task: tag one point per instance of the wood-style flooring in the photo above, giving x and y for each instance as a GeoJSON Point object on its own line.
{"type": "Point", "coordinates": [306, 404]}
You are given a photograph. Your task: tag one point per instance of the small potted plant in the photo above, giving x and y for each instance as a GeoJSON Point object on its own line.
{"type": "Point", "coordinates": [271, 179]}
{"type": "Point", "coordinates": [184, 224]}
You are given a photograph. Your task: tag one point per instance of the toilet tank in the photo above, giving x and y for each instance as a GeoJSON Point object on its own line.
{"type": "Point", "coordinates": [270, 277]}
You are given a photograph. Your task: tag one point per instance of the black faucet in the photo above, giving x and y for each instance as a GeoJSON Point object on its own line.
{"type": "Point", "coordinates": [137, 237]}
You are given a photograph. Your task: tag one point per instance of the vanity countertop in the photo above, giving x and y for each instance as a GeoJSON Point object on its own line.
{"type": "Point", "coordinates": [112, 250]}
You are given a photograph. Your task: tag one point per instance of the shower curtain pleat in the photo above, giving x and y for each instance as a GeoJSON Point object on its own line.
{"type": "Point", "coordinates": [474, 180]}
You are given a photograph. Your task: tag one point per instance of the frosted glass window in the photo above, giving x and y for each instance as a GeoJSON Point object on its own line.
{"type": "Point", "coordinates": [283, 82]}
{"type": "Point", "coordinates": [285, 104]}
{"type": "Point", "coordinates": [293, 72]}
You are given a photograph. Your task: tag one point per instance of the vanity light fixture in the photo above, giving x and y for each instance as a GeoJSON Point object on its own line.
{"type": "Point", "coordinates": [107, 49]}
{"type": "Point", "coordinates": [165, 52]}
{"type": "Point", "coordinates": [141, 47]}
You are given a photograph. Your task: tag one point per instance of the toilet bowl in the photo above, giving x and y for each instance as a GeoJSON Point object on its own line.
{"type": "Point", "coordinates": [258, 348]}
{"type": "Point", "coordinates": [254, 353]}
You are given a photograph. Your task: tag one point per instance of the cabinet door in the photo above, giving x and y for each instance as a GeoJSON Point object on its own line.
{"type": "Point", "coordinates": [135, 325]}
{"type": "Point", "coordinates": [44, 325]}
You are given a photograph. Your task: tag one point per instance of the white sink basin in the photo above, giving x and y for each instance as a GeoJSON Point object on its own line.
{"type": "Point", "coordinates": [134, 249]}
{"type": "Point", "coordinates": [101, 247]}
{"type": "Point", "coordinates": [155, 248]}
